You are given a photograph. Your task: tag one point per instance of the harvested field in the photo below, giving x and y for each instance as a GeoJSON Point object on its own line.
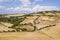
{"type": "Point", "coordinates": [51, 33]}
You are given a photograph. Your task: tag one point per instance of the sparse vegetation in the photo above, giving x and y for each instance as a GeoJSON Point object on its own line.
{"type": "Point", "coordinates": [4, 31]}
{"type": "Point", "coordinates": [36, 27]}
{"type": "Point", "coordinates": [16, 21]}
{"type": "Point", "coordinates": [47, 27]}
{"type": "Point", "coordinates": [13, 31]}
{"type": "Point", "coordinates": [28, 15]}
{"type": "Point", "coordinates": [24, 29]}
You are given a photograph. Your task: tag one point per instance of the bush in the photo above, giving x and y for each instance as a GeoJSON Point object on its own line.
{"type": "Point", "coordinates": [9, 31]}
{"type": "Point", "coordinates": [18, 29]}
{"type": "Point", "coordinates": [13, 31]}
{"type": "Point", "coordinates": [35, 28]}
{"type": "Point", "coordinates": [28, 15]}
{"type": "Point", "coordinates": [24, 29]}
{"type": "Point", "coordinates": [4, 31]}
{"type": "Point", "coordinates": [0, 31]}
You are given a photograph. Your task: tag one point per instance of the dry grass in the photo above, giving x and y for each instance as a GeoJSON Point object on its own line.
{"type": "Point", "coordinates": [52, 33]}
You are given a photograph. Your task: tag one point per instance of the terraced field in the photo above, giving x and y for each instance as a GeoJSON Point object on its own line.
{"type": "Point", "coordinates": [36, 26]}
{"type": "Point", "coordinates": [51, 33]}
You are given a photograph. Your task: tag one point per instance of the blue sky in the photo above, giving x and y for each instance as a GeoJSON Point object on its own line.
{"type": "Point", "coordinates": [28, 6]}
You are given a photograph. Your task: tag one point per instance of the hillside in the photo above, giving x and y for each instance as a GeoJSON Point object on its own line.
{"type": "Point", "coordinates": [35, 26]}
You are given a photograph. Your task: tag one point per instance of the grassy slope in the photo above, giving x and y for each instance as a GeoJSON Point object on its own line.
{"type": "Point", "coordinates": [52, 33]}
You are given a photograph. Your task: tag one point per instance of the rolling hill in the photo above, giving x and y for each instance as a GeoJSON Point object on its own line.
{"type": "Point", "coordinates": [35, 26]}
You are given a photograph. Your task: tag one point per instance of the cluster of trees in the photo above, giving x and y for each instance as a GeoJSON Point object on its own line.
{"type": "Point", "coordinates": [14, 20]}
{"type": "Point", "coordinates": [17, 22]}
{"type": "Point", "coordinates": [11, 19]}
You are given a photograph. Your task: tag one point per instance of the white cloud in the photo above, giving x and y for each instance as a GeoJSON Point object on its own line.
{"type": "Point", "coordinates": [35, 2]}
{"type": "Point", "coordinates": [5, 0]}
{"type": "Point", "coordinates": [2, 0]}
{"type": "Point", "coordinates": [35, 8]}
{"type": "Point", "coordinates": [19, 9]}
{"type": "Point", "coordinates": [38, 0]}
{"type": "Point", "coordinates": [25, 6]}
{"type": "Point", "coordinates": [13, 9]}
{"type": "Point", "coordinates": [2, 7]}
{"type": "Point", "coordinates": [44, 8]}
{"type": "Point", "coordinates": [25, 2]}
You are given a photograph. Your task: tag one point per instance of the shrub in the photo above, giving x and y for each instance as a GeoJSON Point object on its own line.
{"type": "Point", "coordinates": [4, 31]}
{"type": "Point", "coordinates": [9, 31]}
{"type": "Point", "coordinates": [13, 31]}
{"type": "Point", "coordinates": [24, 29]}
{"type": "Point", "coordinates": [30, 24]}
{"type": "Point", "coordinates": [34, 28]}
{"type": "Point", "coordinates": [0, 31]}
{"type": "Point", "coordinates": [28, 15]}
{"type": "Point", "coordinates": [18, 29]}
